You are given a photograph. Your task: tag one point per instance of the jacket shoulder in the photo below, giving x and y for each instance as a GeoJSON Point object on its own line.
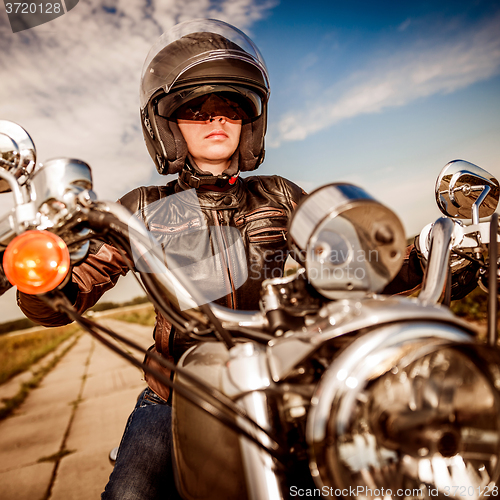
{"type": "Point", "coordinates": [276, 185]}
{"type": "Point", "coordinates": [140, 197]}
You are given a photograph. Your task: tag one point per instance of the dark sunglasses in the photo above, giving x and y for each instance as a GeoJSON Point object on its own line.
{"type": "Point", "coordinates": [206, 107]}
{"type": "Point", "coordinates": [209, 106]}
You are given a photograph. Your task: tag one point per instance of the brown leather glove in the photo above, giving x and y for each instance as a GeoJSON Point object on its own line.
{"type": "Point", "coordinates": [410, 276]}
{"type": "Point", "coordinates": [4, 282]}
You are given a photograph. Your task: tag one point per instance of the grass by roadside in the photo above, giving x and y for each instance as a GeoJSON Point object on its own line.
{"type": "Point", "coordinates": [474, 307]}
{"type": "Point", "coordinates": [12, 403]}
{"type": "Point", "coordinates": [19, 352]}
{"type": "Point", "coordinates": [144, 316]}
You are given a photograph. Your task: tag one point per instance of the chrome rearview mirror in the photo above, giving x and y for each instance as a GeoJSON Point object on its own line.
{"type": "Point", "coordinates": [59, 181]}
{"type": "Point", "coordinates": [55, 192]}
{"type": "Point", "coordinates": [466, 191]}
{"type": "Point", "coordinates": [17, 152]}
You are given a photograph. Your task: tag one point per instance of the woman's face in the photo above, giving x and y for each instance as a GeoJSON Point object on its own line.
{"type": "Point", "coordinates": [211, 142]}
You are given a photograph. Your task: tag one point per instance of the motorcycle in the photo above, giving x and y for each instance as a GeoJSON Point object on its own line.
{"type": "Point", "coordinates": [330, 389]}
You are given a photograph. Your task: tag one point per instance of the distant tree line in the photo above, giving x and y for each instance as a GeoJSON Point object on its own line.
{"type": "Point", "coordinates": [104, 306]}
{"type": "Point", "coordinates": [24, 323]}
{"type": "Point", "coordinates": [18, 324]}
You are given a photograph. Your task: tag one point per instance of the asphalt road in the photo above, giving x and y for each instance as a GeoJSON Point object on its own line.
{"type": "Point", "coordinates": [56, 445]}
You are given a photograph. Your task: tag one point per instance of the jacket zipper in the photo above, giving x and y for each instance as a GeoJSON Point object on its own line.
{"type": "Point", "coordinates": [259, 213]}
{"type": "Point", "coordinates": [267, 234]}
{"type": "Point", "coordinates": [228, 278]}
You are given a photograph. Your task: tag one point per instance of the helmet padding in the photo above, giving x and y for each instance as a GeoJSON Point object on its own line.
{"type": "Point", "coordinates": [174, 147]}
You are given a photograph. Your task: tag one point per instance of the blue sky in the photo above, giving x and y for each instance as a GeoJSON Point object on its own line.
{"type": "Point", "coordinates": [381, 94]}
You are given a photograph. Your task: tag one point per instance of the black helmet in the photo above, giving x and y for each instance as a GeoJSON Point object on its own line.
{"type": "Point", "coordinates": [193, 59]}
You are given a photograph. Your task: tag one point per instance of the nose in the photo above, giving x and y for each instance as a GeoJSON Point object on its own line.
{"type": "Point", "coordinates": [222, 119]}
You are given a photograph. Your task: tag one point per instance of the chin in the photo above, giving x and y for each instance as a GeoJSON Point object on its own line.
{"type": "Point", "coordinates": [219, 155]}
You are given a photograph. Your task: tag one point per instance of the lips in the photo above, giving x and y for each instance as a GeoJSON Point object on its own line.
{"type": "Point", "coordinates": [217, 134]}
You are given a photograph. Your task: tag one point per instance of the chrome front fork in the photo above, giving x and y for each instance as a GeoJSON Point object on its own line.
{"type": "Point", "coordinates": [260, 469]}
{"type": "Point", "coordinates": [247, 376]}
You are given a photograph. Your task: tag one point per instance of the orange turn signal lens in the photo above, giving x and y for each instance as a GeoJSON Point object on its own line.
{"type": "Point", "coordinates": [36, 261]}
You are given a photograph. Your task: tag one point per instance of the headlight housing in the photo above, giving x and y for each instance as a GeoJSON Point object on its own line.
{"type": "Point", "coordinates": [347, 241]}
{"type": "Point", "coordinates": [409, 411]}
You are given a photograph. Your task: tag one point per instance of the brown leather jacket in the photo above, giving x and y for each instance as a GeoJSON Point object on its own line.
{"type": "Point", "coordinates": [258, 207]}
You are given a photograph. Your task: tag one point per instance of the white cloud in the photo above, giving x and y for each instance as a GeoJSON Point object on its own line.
{"type": "Point", "coordinates": [427, 68]}
{"type": "Point", "coordinates": [242, 13]}
{"type": "Point", "coordinates": [404, 25]}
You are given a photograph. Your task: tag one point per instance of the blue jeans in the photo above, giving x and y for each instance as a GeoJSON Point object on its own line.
{"type": "Point", "coordinates": [143, 469]}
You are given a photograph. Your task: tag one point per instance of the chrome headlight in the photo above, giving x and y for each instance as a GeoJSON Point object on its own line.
{"type": "Point", "coordinates": [408, 411]}
{"type": "Point", "coordinates": [347, 241]}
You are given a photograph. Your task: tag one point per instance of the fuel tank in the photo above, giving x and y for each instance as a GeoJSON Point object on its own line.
{"type": "Point", "coordinates": [208, 462]}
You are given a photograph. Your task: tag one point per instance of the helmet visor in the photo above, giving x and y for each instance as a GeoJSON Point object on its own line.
{"type": "Point", "coordinates": [208, 101]}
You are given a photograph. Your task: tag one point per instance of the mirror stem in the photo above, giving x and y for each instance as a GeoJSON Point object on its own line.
{"type": "Point", "coordinates": [14, 186]}
{"type": "Point", "coordinates": [492, 282]}
{"type": "Point", "coordinates": [447, 293]}
{"type": "Point", "coordinates": [477, 204]}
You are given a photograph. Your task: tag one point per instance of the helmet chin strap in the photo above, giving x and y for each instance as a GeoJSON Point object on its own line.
{"type": "Point", "coordinates": [194, 177]}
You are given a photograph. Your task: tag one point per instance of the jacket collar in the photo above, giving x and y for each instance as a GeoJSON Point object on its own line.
{"type": "Point", "coordinates": [228, 198]}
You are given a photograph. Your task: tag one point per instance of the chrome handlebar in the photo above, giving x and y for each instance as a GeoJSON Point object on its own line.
{"type": "Point", "coordinates": [437, 267]}
{"type": "Point", "coordinates": [449, 241]}
{"type": "Point", "coordinates": [59, 195]}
